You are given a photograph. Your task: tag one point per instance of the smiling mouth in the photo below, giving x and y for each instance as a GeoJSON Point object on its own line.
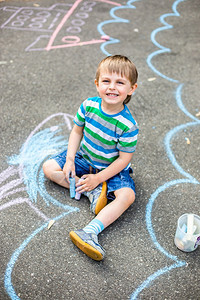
{"type": "Point", "coordinates": [112, 95]}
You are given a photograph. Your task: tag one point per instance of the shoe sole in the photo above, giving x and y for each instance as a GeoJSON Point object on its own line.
{"type": "Point", "coordinates": [102, 200]}
{"type": "Point", "coordinates": [85, 247]}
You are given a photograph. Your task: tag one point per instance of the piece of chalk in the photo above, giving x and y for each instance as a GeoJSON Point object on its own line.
{"type": "Point", "coordinates": [190, 223]}
{"type": "Point", "coordinates": [51, 222]}
{"type": "Point", "coordinates": [194, 229]}
{"type": "Point", "coordinates": [72, 186]}
{"type": "Point", "coordinates": [184, 228]}
{"type": "Point", "coordinates": [78, 195]}
{"type": "Point", "coordinates": [197, 242]}
{"type": "Point", "coordinates": [105, 37]}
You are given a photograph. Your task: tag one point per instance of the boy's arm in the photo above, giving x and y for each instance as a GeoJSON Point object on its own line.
{"type": "Point", "coordinates": [92, 180]}
{"type": "Point", "coordinates": [114, 168]}
{"type": "Point", "coordinates": [73, 146]}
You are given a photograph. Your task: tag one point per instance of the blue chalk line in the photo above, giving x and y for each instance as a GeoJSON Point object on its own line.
{"type": "Point", "coordinates": [8, 274]}
{"type": "Point", "coordinates": [40, 146]}
{"type": "Point", "coordinates": [115, 19]}
{"type": "Point", "coordinates": [33, 188]}
{"type": "Point", "coordinates": [189, 178]}
{"type": "Point", "coordinates": [31, 156]}
{"type": "Point", "coordinates": [162, 48]}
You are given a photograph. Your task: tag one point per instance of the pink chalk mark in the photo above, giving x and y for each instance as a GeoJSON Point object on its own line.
{"type": "Point", "coordinates": [62, 23]}
{"type": "Point", "coordinates": [70, 39]}
{"type": "Point", "coordinates": [110, 2]}
{"type": "Point", "coordinates": [10, 171]}
{"type": "Point", "coordinates": [21, 201]}
{"type": "Point", "coordinates": [78, 44]}
{"type": "Point", "coordinates": [64, 20]}
{"type": "Point", "coordinates": [12, 203]}
{"type": "Point", "coordinates": [13, 192]}
{"type": "Point", "coordinates": [38, 212]}
{"type": "Point", "coordinates": [105, 37]}
{"type": "Point", "coordinates": [69, 125]}
{"type": "Point", "coordinates": [9, 186]}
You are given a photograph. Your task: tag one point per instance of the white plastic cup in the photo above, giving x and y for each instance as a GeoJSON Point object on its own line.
{"type": "Point", "coordinates": [187, 237]}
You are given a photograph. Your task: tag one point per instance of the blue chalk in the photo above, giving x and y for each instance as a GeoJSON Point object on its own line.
{"type": "Point", "coordinates": [72, 186]}
{"type": "Point", "coordinates": [184, 228]}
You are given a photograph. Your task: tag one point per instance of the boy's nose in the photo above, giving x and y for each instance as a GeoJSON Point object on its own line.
{"type": "Point", "coordinates": [112, 86]}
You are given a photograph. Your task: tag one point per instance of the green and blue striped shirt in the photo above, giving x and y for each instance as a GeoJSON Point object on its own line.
{"type": "Point", "coordinates": [105, 135]}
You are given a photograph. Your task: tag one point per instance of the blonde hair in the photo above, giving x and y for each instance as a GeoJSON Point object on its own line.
{"type": "Point", "coordinates": [121, 65]}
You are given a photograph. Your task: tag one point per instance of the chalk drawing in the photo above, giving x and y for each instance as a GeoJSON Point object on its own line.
{"type": "Point", "coordinates": [115, 19]}
{"type": "Point", "coordinates": [55, 22]}
{"type": "Point", "coordinates": [40, 144]}
{"type": "Point", "coordinates": [8, 274]}
{"type": "Point", "coordinates": [59, 27]}
{"type": "Point", "coordinates": [189, 179]}
{"type": "Point", "coordinates": [51, 22]}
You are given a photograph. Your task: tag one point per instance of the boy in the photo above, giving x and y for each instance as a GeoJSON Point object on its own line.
{"type": "Point", "coordinates": [107, 133]}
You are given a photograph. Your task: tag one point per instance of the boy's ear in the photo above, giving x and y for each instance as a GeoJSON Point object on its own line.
{"type": "Point", "coordinates": [133, 88]}
{"type": "Point", "coordinates": [96, 82]}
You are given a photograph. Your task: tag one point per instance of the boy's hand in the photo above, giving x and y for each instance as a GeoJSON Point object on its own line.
{"type": "Point", "coordinates": [69, 169]}
{"type": "Point", "coordinates": [89, 183]}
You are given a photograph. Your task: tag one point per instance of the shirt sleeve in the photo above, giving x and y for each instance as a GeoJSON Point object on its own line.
{"type": "Point", "coordinates": [128, 140]}
{"type": "Point", "coordinates": [79, 119]}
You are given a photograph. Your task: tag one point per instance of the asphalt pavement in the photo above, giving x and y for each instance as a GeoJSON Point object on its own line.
{"type": "Point", "coordinates": [48, 59]}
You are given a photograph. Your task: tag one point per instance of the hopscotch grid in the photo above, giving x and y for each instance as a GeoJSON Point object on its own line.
{"type": "Point", "coordinates": [69, 12]}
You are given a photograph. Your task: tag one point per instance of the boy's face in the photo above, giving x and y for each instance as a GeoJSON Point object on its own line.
{"type": "Point", "coordinates": [114, 88]}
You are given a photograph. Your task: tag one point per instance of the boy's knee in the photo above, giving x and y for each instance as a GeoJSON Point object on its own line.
{"type": "Point", "coordinates": [50, 167]}
{"type": "Point", "coordinates": [131, 197]}
{"type": "Point", "coordinates": [46, 169]}
{"type": "Point", "coordinates": [126, 195]}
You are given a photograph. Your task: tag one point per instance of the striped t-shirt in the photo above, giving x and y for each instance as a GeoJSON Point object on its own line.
{"type": "Point", "coordinates": [105, 135]}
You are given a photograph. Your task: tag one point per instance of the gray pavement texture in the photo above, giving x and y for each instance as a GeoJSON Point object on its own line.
{"type": "Point", "coordinates": [49, 54]}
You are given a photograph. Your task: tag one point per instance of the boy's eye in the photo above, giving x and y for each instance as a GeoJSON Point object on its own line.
{"type": "Point", "coordinates": [105, 80]}
{"type": "Point", "coordinates": [120, 82]}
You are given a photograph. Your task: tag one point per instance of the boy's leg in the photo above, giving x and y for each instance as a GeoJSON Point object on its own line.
{"type": "Point", "coordinates": [124, 197]}
{"type": "Point", "coordinates": [98, 198]}
{"type": "Point", "coordinates": [53, 171]}
{"type": "Point", "coordinates": [86, 239]}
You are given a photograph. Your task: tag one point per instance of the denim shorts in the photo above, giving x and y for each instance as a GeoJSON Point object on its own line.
{"type": "Point", "coordinates": [120, 180]}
